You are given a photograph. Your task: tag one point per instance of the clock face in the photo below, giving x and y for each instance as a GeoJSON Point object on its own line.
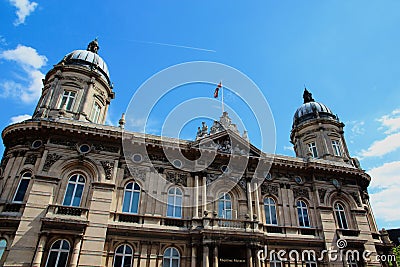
{"type": "Point", "coordinates": [298, 179]}
{"type": "Point", "coordinates": [336, 183]}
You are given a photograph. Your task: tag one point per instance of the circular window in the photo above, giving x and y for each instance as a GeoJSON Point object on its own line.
{"type": "Point", "coordinates": [224, 168]}
{"type": "Point", "coordinates": [84, 148]}
{"type": "Point", "coordinates": [177, 163]}
{"type": "Point", "coordinates": [36, 144]}
{"type": "Point", "coordinates": [336, 183]}
{"type": "Point", "coordinates": [268, 176]}
{"type": "Point", "coordinates": [298, 179]}
{"type": "Point", "coordinates": [137, 158]}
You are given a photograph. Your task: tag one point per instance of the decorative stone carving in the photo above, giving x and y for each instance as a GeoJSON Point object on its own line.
{"type": "Point", "coordinates": [224, 147]}
{"type": "Point", "coordinates": [267, 188]}
{"type": "Point", "coordinates": [31, 159]}
{"type": "Point", "coordinates": [135, 173]}
{"type": "Point", "coordinates": [101, 147]}
{"type": "Point", "coordinates": [321, 194]}
{"type": "Point", "coordinates": [356, 198]}
{"type": "Point", "coordinates": [177, 178]}
{"type": "Point", "coordinates": [300, 192]}
{"type": "Point", "coordinates": [242, 183]}
{"type": "Point", "coordinates": [211, 178]}
{"type": "Point", "coordinates": [108, 168]}
{"type": "Point", "coordinates": [63, 142]}
{"type": "Point", "coordinates": [50, 160]}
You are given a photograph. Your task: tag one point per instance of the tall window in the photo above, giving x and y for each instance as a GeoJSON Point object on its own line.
{"type": "Point", "coordinates": [336, 148]}
{"type": "Point", "coordinates": [3, 246]}
{"type": "Point", "coordinates": [174, 206]}
{"type": "Point", "coordinates": [95, 112]}
{"type": "Point", "coordinates": [274, 261]}
{"type": "Point", "coordinates": [73, 194]}
{"type": "Point", "coordinates": [171, 258]}
{"type": "Point", "coordinates": [313, 149]}
{"type": "Point", "coordinates": [340, 216]}
{"type": "Point", "coordinates": [131, 198]}
{"type": "Point", "coordinates": [302, 213]}
{"type": "Point", "coordinates": [58, 254]}
{"type": "Point", "coordinates": [351, 261]}
{"type": "Point", "coordinates": [22, 187]}
{"type": "Point", "coordinates": [270, 211]}
{"type": "Point", "coordinates": [310, 260]}
{"type": "Point", "coordinates": [67, 99]}
{"type": "Point", "coordinates": [225, 206]}
{"type": "Point", "coordinates": [123, 256]}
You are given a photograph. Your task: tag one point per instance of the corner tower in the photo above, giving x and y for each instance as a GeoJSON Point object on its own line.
{"type": "Point", "coordinates": [317, 132]}
{"type": "Point", "coordinates": [77, 88]}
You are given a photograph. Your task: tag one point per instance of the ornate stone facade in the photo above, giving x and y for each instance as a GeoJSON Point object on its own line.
{"type": "Point", "coordinates": [93, 203]}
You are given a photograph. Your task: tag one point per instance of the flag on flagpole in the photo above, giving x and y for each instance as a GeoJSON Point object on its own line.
{"type": "Point", "coordinates": [217, 89]}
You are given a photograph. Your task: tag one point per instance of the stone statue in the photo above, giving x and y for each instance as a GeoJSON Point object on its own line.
{"type": "Point", "coordinates": [93, 46]}
{"type": "Point", "coordinates": [307, 96]}
{"type": "Point", "coordinates": [204, 129]}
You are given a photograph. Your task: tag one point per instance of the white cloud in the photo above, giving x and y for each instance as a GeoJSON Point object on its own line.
{"type": "Point", "coordinates": [29, 60]}
{"type": "Point", "coordinates": [357, 127]}
{"type": "Point", "coordinates": [391, 121]}
{"type": "Point", "coordinates": [391, 142]}
{"type": "Point", "coordinates": [290, 148]}
{"type": "Point", "coordinates": [382, 147]}
{"type": "Point", "coordinates": [25, 56]}
{"type": "Point", "coordinates": [386, 182]}
{"type": "Point", "coordinates": [24, 9]}
{"type": "Point", "coordinates": [20, 118]}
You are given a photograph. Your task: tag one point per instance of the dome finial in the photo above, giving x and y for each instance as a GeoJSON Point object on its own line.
{"type": "Point", "coordinates": [307, 96]}
{"type": "Point", "coordinates": [93, 46]}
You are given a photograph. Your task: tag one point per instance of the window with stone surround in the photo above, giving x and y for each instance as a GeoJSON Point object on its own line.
{"type": "Point", "coordinates": [174, 206]}
{"type": "Point", "coordinates": [123, 256]}
{"type": "Point", "coordinates": [131, 198]}
{"type": "Point", "coordinates": [312, 147]}
{"type": "Point", "coordinates": [58, 254]}
{"type": "Point", "coordinates": [73, 194]}
{"type": "Point", "coordinates": [225, 206]}
{"type": "Point", "coordinates": [171, 258]}
{"type": "Point", "coordinates": [22, 187]}
{"type": "Point", "coordinates": [68, 99]}
{"type": "Point", "coordinates": [270, 211]}
{"type": "Point", "coordinates": [340, 214]}
{"type": "Point", "coordinates": [302, 213]}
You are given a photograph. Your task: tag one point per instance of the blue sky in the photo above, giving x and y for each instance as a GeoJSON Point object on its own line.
{"type": "Point", "coordinates": [346, 53]}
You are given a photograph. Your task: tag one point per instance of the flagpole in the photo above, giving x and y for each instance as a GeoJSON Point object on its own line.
{"type": "Point", "coordinates": [222, 88]}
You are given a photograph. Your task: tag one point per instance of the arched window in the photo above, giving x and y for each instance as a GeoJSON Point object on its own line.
{"type": "Point", "coordinates": [123, 256]}
{"type": "Point", "coordinates": [174, 206]}
{"type": "Point", "coordinates": [270, 211]}
{"type": "Point", "coordinates": [58, 254]}
{"type": "Point", "coordinates": [3, 246]}
{"type": "Point", "coordinates": [131, 198]}
{"type": "Point", "coordinates": [352, 261]}
{"type": "Point", "coordinates": [340, 216]}
{"type": "Point", "coordinates": [310, 260]}
{"type": "Point", "coordinates": [22, 187]}
{"type": "Point", "coordinates": [73, 194]}
{"type": "Point", "coordinates": [225, 206]}
{"type": "Point", "coordinates": [275, 261]}
{"type": "Point", "coordinates": [171, 258]}
{"type": "Point", "coordinates": [302, 212]}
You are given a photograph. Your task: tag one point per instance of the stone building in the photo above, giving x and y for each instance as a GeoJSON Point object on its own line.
{"type": "Point", "coordinates": [70, 195]}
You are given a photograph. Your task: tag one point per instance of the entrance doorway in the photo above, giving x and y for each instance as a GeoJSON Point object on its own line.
{"type": "Point", "coordinates": [234, 256]}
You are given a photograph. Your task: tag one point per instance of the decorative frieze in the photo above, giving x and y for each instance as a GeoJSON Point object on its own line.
{"type": "Point", "coordinates": [108, 168]}
{"type": "Point", "coordinates": [300, 192]}
{"type": "Point", "coordinates": [101, 147]}
{"type": "Point", "coordinates": [50, 160]}
{"type": "Point", "coordinates": [64, 142]}
{"type": "Point", "coordinates": [136, 173]}
{"type": "Point", "coordinates": [31, 159]}
{"type": "Point", "coordinates": [269, 189]}
{"type": "Point", "coordinates": [177, 178]}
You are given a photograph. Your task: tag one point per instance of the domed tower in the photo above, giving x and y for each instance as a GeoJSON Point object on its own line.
{"type": "Point", "coordinates": [317, 132]}
{"type": "Point", "coordinates": [78, 88]}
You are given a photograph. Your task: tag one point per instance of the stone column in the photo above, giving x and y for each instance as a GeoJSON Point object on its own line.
{"type": "Point", "coordinates": [194, 257]}
{"type": "Point", "coordinates": [206, 256]}
{"type": "Point", "coordinates": [216, 256]}
{"type": "Point", "coordinates": [249, 257]}
{"type": "Point", "coordinates": [204, 194]}
{"type": "Point", "coordinates": [39, 252]}
{"type": "Point", "coordinates": [257, 202]}
{"type": "Point", "coordinates": [196, 196]}
{"type": "Point", "coordinates": [249, 200]}
{"type": "Point", "coordinates": [75, 252]}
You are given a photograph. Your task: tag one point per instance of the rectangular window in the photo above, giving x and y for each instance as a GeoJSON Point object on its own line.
{"type": "Point", "coordinates": [336, 148]}
{"type": "Point", "coordinates": [313, 149]}
{"type": "Point", "coordinates": [67, 100]}
{"type": "Point", "coordinates": [95, 113]}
